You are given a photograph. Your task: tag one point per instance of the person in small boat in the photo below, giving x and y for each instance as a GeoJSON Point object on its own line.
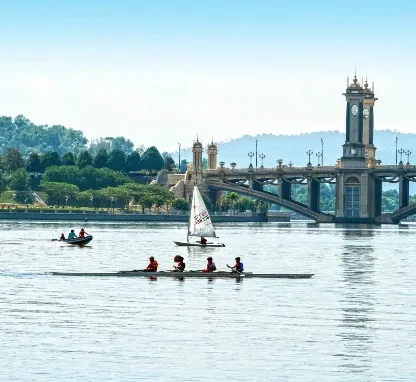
{"type": "Point", "coordinates": [210, 266]}
{"type": "Point", "coordinates": [71, 235]}
{"type": "Point", "coordinates": [62, 236]}
{"type": "Point", "coordinates": [82, 233]}
{"type": "Point", "coordinates": [180, 267]}
{"type": "Point", "coordinates": [152, 267]}
{"type": "Point", "coordinates": [203, 240]}
{"type": "Point", "coordinates": [238, 267]}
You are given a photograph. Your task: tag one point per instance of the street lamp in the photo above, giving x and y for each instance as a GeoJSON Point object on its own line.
{"type": "Point", "coordinates": [256, 152]}
{"type": "Point", "coordinates": [251, 155]}
{"type": "Point", "coordinates": [91, 199]}
{"type": "Point", "coordinates": [233, 164]}
{"type": "Point", "coordinates": [179, 166]}
{"type": "Point", "coordinates": [66, 200]}
{"type": "Point", "coordinates": [112, 205]}
{"type": "Point", "coordinates": [280, 162]}
{"type": "Point", "coordinates": [319, 155]}
{"type": "Point", "coordinates": [408, 153]}
{"type": "Point", "coordinates": [262, 156]}
{"type": "Point", "coordinates": [401, 152]}
{"type": "Point", "coordinates": [396, 148]}
{"type": "Point", "coordinates": [309, 153]}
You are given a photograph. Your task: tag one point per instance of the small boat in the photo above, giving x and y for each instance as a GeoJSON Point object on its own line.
{"type": "Point", "coordinates": [78, 241]}
{"type": "Point", "coordinates": [192, 274]}
{"type": "Point", "coordinates": [199, 224]}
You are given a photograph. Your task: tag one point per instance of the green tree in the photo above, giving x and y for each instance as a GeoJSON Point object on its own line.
{"type": "Point", "coordinates": [13, 160]}
{"type": "Point", "coordinates": [34, 163]}
{"type": "Point", "coordinates": [101, 159]}
{"type": "Point", "coordinates": [59, 192]}
{"type": "Point", "coordinates": [117, 160]}
{"type": "Point", "coordinates": [84, 159]}
{"type": "Point", "coordinates": [180, 205]}
{"type": "Point", "coordinates": [133, 162]}
{"type": "Point", "coordinates": [152, 160]}
{"type": "Point", "coordinates": [3, 182]}
{"type": "Point", "coordinates": [19, 180]}
{"type": "Point", "coordinates": [68, 159]}
{"type": "Point", "coordinates": [50, 158]}
{"type": "Point", "coordinates": [169, 163]}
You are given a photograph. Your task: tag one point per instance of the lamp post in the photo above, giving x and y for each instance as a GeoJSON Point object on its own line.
{"type": "Point", "coordinates": [309, 153]}
{"type": "Point", "coordinates": [401, 152]}
{"type": "Point", "coordinates": [179, 165]}
{"type": "Point", "coordinates": [91, 199]}
{"type": "Point", "coordinates": [322, 151]}
{"type": "Point", "coordinates": [256, 152]}
{"type": "Point", "coordinates": [112, 205]}
{"type": "Point", "coordinates": [319, 155]}
{"type": "Point", "coordinates": [233, 164]}
{"type": "Point", "coordinates": [396, 148]}
{"type": "Point", "coordinates": [251, 155]}
{"type": "Point", "coordinates": [262, 156]}
{"type": "Point", "coordinates": [280, 162]}
{"type": "Point", "coordinates": [66, 201]}
{"type": "Point", "coordinates": [408, 153]}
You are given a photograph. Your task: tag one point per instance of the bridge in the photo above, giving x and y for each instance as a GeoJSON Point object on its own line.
{"type": "Point", "coordinates": [358, 176]}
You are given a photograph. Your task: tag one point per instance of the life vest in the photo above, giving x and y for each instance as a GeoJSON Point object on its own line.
{"type": "Point", "coordinates": [152, 266]}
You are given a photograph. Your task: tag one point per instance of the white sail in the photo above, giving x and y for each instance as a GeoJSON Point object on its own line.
{"type": "Point", "coordinates": [199, 221]}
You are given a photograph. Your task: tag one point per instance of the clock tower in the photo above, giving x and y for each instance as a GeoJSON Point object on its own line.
{"type": "Point", "coordinates": [353, 155]}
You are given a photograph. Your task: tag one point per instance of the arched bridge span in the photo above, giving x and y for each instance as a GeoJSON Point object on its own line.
{"type": "Point", "coordinates": [268, 197]}
{"type": "Point", "coordinates": [403, 213]}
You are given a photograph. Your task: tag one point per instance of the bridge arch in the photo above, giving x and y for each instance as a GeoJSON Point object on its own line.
{"type": "Point", "coordinates": [268, 197]}
{"type": "Point", "coordinates": [403, 213]}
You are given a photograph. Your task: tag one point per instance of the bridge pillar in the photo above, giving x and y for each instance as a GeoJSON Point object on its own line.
{"type": "Point", "coordinates": [403, 191]}
{"type": "Point", "coordinates": [378, 193]}
{"type": "Point", "coordinates": [358, 196]}
{"type": "Point", "coordinates": [285, 189]}
{"type": "Point", "coordinates": [314, 194]}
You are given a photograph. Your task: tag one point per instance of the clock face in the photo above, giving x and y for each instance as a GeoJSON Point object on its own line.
{"type": "Point", "coordinates": [366, 113]}
{"type": "Point", "coordinates": [354, 109]}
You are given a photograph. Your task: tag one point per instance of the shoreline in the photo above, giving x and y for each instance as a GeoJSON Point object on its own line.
{"type": "Point", "coordinates": [42, 215]}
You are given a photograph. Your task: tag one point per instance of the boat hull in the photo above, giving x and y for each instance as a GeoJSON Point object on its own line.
{"type": "Point", "coordinates": [186, 244]}
{"type": "Point", "coordinates": [191, 274]}
{"type": "Point", "coordinates": [78, 241]}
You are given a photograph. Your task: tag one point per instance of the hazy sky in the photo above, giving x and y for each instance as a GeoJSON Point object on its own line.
{"type": "Point", "coordinates": [161, 72]}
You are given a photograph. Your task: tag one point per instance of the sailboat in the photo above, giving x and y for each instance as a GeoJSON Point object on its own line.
{"type": "Point", "coordinates": [200, 224]}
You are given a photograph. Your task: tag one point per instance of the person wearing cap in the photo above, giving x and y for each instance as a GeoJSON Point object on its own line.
{"type": "Point", "coordinates": [152, 267]}
{"type": "Point", "coordinates": [210, 266]}
{"type": "Point", "coordinates": [181, 265]}
{"type": "Point", "coordinates": [238, 267]}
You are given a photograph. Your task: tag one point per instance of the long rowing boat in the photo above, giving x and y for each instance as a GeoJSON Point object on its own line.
{"type": "Point", "coordinates": [194, 274]}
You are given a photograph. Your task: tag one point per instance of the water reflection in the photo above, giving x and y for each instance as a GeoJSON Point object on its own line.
{"type": "Point", "coordinates": [357, 299]}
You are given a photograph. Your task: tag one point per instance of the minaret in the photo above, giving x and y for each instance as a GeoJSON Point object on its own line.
{"type": "Point", "coordinates": [353, 148]}
{"type": "Point", "coordinates": [212, 156]}
{"type": "Point", "coordinates": [368, 124]}
{"type": "Point", "coordinates": [197, 157]}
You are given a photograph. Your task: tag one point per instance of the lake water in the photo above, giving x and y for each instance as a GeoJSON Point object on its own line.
{"type": "Point", "coordinates": [353, 321]}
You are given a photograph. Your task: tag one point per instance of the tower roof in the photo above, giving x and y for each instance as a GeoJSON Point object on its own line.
{"type": "Point", "coordinates": [197, 143]}
{"type": "Point", "coordinates": [354, 84]}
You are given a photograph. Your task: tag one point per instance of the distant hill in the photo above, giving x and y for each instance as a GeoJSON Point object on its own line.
{"type": "Point", "coordinates": [293, 148]}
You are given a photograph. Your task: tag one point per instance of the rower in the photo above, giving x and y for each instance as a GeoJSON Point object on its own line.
{"type": "Point", "coordinates": [72, 235]}
{"type": "Point", "coordinates": [62, 236]}
{"type": "Point", "coordinates": [238, 267]}
{"type": "Point", "coordinates": [152, 267]}
{"type": "Point", "coordinates": [210, 266]}
{"type": "Point", "coordinates": [82, 233]}
{"type": "Point", "coordinates": [181, 265]}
